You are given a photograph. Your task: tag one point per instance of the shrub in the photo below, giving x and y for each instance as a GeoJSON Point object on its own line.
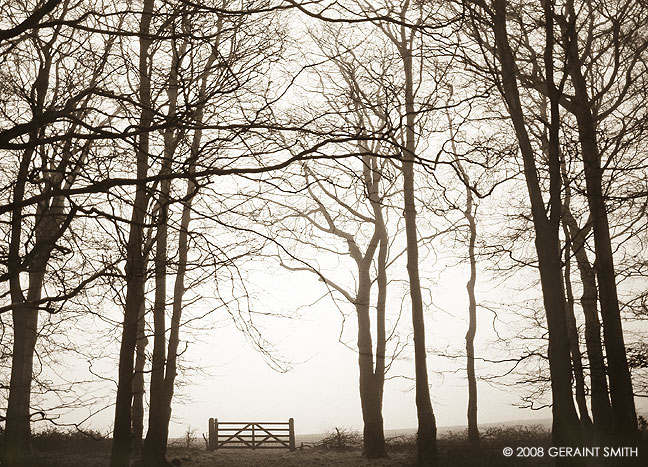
{"type": "Point", "coordinates": [57, 440]}
{"type": "Point", "coordinates": [341, 440]}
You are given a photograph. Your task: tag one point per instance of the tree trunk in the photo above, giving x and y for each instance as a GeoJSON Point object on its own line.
{"type": "Point", "coordinates": [17, 442]}
{"type": "Point", "coordinates": [17, 436]}
{"type": "Point", "coordinates": [135, 262]}
{"type": "Point", "coordinates": [154, 450]}
{"type": "Point", "coordinates": [137, 422]}
{"type": "Point", "coordinates": [601, 410]}
{"type": "Point", "coordinates": [381, 303]}
{"type": "Point", "coordinates": [566, 425]}
{"type": "Point", "coordinates": [370, 386]}
{"type": "Point", "coordinates": [469, 214]}
{"type": "Point", "coordinates": [426, 442]}
{"type": "Point", "coordinates": [18, 431]}
{"type": "Point", "coordinates": [372, 377]}
{"type": "Point", "coordinates": [473, 430]}
{"type": "Point", "coordinates": [157, 436]}
{"type": "Point", "coordinates": [49, 226]}
{"type": "Point", "coordinates": [178, 293]}
{"type": "Point", "coordinates": [574, 344]}
{"type": "Point", "coordinates": [621, 393]}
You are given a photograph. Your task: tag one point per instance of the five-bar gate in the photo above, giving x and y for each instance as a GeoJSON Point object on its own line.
{"type": "Point", "coordinates": [251, 435]}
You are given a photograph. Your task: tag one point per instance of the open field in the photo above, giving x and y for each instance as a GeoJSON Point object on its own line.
{"type": "Point", "coordinates": [453, 450]}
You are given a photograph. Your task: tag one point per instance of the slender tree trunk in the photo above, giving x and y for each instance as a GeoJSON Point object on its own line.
{"type": "Point", "coordinates": [601, 409]}
{"type": "Point", "coordinates": [574, 343]}
{"type": "Point", "coordinates": [473, 430]}
{"type": "Point", "coordinates": [426, 442]}
{"type": "Point", "coordinates": [566, 425]}
{"type": "Point", "coordinates": [158, 434]}
{"type": "Point", "coordinates": [138, 386]}
{"type": "Point", "coordinates": [371, 380]}
{"type": "Point", "coordinates": [426, 435]}
{"type": "Point", "coordinates": [621, 393]}
{"type": "Point", "coordinates": [469, 214]}
{"type": "Point", "coordinates": [135, 261]}
{"type": "Point", "coordinates": [378, 447]}
{"type": "Point", "coordinates": [178, 293]}
{"type": "Point", "coordinates": [139, 390]}
{"type": "Point", "coordinates": [154, 451]}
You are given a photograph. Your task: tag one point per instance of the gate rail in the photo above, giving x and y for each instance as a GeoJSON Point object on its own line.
{"type": "Point", "coordinates": [251, 435]}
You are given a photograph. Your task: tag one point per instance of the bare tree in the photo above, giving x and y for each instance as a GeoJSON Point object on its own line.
{"type": "Point", "coordinates": [135, 258]}
{"type": "Point", "coordinates": [566, 426]}
{"type": "Point", "coordinates": [470, 213]}
{"type": "Point", "coordinates": [621, 393]}
{"type": "Point", "coordinates": [35, 235]}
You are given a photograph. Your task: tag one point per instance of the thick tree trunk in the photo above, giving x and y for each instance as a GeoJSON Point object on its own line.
{"type": "Point", "coordinates": [621, 393]}
{"type": "Point", "coordinates": [371, 387]}
{"type": "Point", "coordinates": [18, 431]}
{"type": "Point", "coordinates": [17, 442]}
{"type": "Point", "coordinates": [135, 261]}
{"type": "Point", "coordinates": [566, 425]}
{"type": "Point", "coordinates": [373, 431]}
{"type": "Point", "coordinates": [48, 227]}
{"type": "Point", "coordinates": [17, 436]}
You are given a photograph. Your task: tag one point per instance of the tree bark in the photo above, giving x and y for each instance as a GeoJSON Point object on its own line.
{"type": "Point", "coordinates": [621, 392]}
{"type": "Point", "coordinates": [178, 293]}
{"type": "Point", "coordinates": [135, 261]}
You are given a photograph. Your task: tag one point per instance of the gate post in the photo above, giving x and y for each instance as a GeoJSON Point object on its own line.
{"type": "Point", "coordinates": [291, 433]}
{"type": "Point", "coordinates": [213, 434]}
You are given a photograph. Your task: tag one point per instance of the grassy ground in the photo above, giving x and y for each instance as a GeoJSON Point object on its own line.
{"type": "Point", "coordinates": [74, 450]}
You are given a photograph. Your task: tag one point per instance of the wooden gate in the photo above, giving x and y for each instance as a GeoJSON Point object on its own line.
{"type": "Point", "coordinates": [251, 435]}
